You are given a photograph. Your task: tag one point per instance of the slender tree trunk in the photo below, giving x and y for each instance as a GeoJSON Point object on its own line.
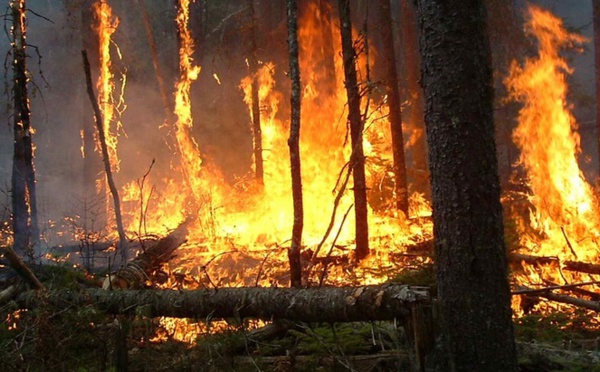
{"type": "Point", "coordinates": [123, 248]}
{"type": "Point", "coordinates": [357, 159]}
{"type": "Point", "coordinates": [470, 254]}
{"type": "Point", "coordinates": [92, 165]}
{"type": "Point", "coordinates": [328, 47]}
{"type": "Point", "coordinates": [256, 127]}
{"type": "Point", "coordinates": [294, 144]}
{"type": "Point", "coordinates": [389, 52]}
{"type": "Point", "coordinates": [168, 107]}
{"type": "Point", "coordinates": [25, 224]}
{"type": "Point", "coordinates": [414, 96]}
{"type": "Point", "coordinates": [596, 12]}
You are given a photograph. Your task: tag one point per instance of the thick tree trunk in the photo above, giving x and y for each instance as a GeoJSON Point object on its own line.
{"type": "Point", "coordinates": [470, 255]}
{"type": "Point", "coordinates": [294, 145]}
{"type": "Point", "coordinates": [256, 127]}
{"type": "Point", "coordinates": [414, 96]}
{"type": "Point", "coordinates": [357, 159]}
{"type": "Point", "coordinates": [596, 12]}
{"type": "Point", "coordinates": [327, 304]}
{"type": "Point", "coordinates": [24, 208]}
{"type": "Point", "coordinates": [393, 92]}
{"type": "Point", "coordinates": [123, 249]}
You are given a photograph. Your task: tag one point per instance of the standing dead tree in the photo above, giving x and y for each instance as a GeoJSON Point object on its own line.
{"type": "Point", "coordinates": [256, 127]}
{"type": "Point", "coordinates": [596, 16]}
{"type": "Point", "coordinates": [24, 207]}
{"type": "Point", "coordinates": [123, 246]}
{"type": "Point", "coordinates": [393, 97]}
{"type": "Point", "coordinates": [294, 145]}
{"type": "Point", "coordinates": [357, 158]}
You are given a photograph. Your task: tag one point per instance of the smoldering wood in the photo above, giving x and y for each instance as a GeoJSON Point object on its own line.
{"type": "Point", "coordinates": [582, 267]}
{"type": "Point", "coordinates": [579, 302]}
{"type": "Point", "coordinates": [326, 304]}
{"type": "Point", "coordinates": [136, 272]}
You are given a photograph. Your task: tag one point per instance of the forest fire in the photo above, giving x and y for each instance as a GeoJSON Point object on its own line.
{"type": "Point", "coordinates": [202, 241]}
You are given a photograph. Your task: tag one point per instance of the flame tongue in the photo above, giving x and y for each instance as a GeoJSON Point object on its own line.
{"type": "Point", "coordinates": [565, 210]}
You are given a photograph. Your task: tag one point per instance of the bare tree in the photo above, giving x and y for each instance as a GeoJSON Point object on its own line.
{"type": "Point", "coordinates": [357, 159]}
{"type": "Point", "coordinates": [596, 12]}
{"type": "Point", "coordinates": [294, 144]}
{"type": "Point", "coordinates": [471, 263]}
{"type": "Point", "coordinates": [256, 127]}
{"type": "Point", "coordinates": [393, 93]}
{"type": "Point", "coordinates": [25, 223]}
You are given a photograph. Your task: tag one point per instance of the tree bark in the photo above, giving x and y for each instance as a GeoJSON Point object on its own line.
{"type": "Point", "coordinates": [24, 207]}
{"type": "Point", "coordinates": [327, 304]}
{"type": "Point", "coordinates": [357, 159]}
{"type": "Point", "coordinates": [294, 145]}
{"type": "Point", "coordinates": [395, 116]}
{"type": "Point", "coordinates": [470, 253]}
{"type": "Point", "coordinates": [256, 127]}
{"type": "Point", "coordinates": [596, 15]}
{"type": "Point", "coordinates": [123, 249]}
{"type": "Point", "coordinates": [414, 96]}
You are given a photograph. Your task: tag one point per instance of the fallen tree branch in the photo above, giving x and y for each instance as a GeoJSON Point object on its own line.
{"type": "Point", "coordinates": [533, 291]}
{"type": "Point", "coordinates": [326, 304]}
{"type": "Point", "coordinates": [135, 273]}
{"type": "Point", "coordinates": [582, 267]}
{"type": "Point", "coordinates": [586, 304]}
{"type": "Point", "coordinates": [22, 269]}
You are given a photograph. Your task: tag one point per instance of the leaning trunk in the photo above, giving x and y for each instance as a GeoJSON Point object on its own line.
{"type": "Point", "coordinates": [467, 216]}
{"type": "Point", "coordinates": [25, 224]}
{"type": "Point", "coordinates": [357, 158]}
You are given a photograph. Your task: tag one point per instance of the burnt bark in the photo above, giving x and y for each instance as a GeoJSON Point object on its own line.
{"type": "Point", "coordinates": [24, 207]}
{"type": "Point", "coordinates": [294, 145]}
{"type": "Point", "coordinates": [414, 96]}
{"type": "Point", "coordinates": [469, 244]}
{"type": "Point", "coordinates": [256, 127]}
{"type": "Point", "coordinates": [395, 116]}
{"type": "Point", "coordinates": [327, 304]}
{"type": "Point", "coordinates": [123, 249]}
{"type": "Point", "coordinates": [357, 158]}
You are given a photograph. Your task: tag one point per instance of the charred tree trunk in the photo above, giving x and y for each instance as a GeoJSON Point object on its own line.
{"type": "Point", "coordinates": [414, 96]}
{"type": "Point", "coordinates": [109, 178]}
{"type": "Point", "coordinates": [256, 127]}
{"type": "Point", "coordinates": [294, 144]}
{"type": "Point", "coordinates": [328, 47]}
{"type": "Point", "coordinates": [327, 304]}
{"type": "Point", "coordinates": [470, 254]}
{"type": "Point", "coordinates": [24, 208]}
{"type": "Point", "coordinates": [357, 159]}
{"type": "Point", "coordinates": [391, 82]}
{"type": "Point", "coordinates": [596, 12]}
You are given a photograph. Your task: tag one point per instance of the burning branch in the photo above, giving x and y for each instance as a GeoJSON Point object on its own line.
{"type": "Point", "coordinates": [109, 177]}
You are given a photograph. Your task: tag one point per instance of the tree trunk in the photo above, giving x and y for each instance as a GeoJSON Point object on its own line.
{"type": "Point", "coordinates": [470, 254]}
{"type": "Point", "coordinates": [327, 304]}
{"type": "Point", "coordinates": [414, 96]}
{"type": "Point", "coordinates": [393, 93]}
{"type": "Point", "coordinates": [25, 224]}
{"type": "Point", "coordinates": [357, 159]}
{"type": "Point", "coordinates": [294, 145]}
{"type": "Point", "coordinates": [92, 164]}
{"type": "Point", "coordinates": [256, 127]}
{"type": "Point", "coordinates": [123, 249]}
{"type": "Point", "coordinates": [328, 50]}
{"type": "Point", "coordinates": [596, 12]}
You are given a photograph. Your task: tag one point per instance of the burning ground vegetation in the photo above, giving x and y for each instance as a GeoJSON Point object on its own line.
{"type": "Point", "coordinates": [189, 224]}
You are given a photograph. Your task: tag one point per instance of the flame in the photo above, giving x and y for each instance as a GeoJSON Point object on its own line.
{"type": "Point", "coordinates": [110, 106]}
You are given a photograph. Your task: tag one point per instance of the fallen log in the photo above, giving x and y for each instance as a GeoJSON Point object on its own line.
{"type": "Point", "coordinates": [137, 271]}
{"type": "Point", "coordinates": [326, 304]}
{"type": "Point", "coordinates": [582, 267]}
{"type": "Point", "coordinates": [22, 269]}
{"type": "Point", "coordinates": [531, 260]}
{"type": "Point", "coordinates": [579, 302]}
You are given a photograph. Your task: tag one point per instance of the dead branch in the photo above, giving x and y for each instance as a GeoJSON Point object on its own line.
{"type": "Point", "coordinates": [533, 291]}
{"type": "Point", "coordinates": [22, 269]}
{"type": "Point", "coordinates": [586, 304]}
{"type": "Point", "coordinates": [582, 267]}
